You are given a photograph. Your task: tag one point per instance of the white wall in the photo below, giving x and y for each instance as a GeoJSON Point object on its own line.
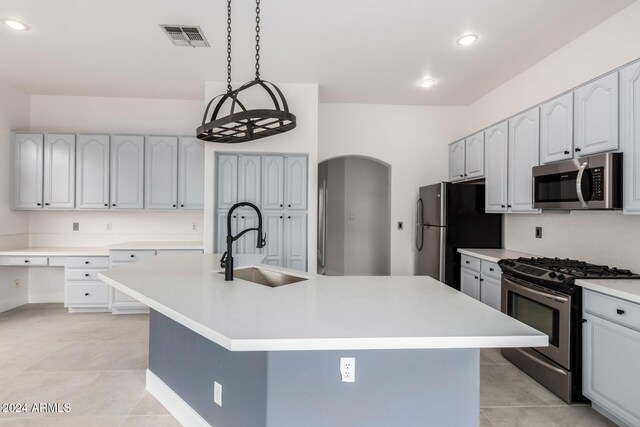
{"type": "Point", "coordinates": [303, 102]}
{"type": "Point", "coordinates": [599, 237]}
{"type": "Point", "coordinates": [113, 115]}
{"type": "Point", "coordinates": [14, 114]}
{"type": "Point", "coordinates": [411, 139]}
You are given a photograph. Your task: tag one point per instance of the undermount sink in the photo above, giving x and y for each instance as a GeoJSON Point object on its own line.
{"type": "Point", "coordinates": [270, 278]}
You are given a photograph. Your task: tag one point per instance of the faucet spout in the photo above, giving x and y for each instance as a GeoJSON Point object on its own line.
{"type": "Point", "coordinates": [227, 259]}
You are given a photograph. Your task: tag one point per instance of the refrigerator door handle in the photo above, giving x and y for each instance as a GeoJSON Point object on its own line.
{"type": "Point", "coordinates": [419, 225]}
{"type": "Point", "coordinates": [443, 254]}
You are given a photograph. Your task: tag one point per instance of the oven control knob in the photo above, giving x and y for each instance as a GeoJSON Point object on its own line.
{"type": "Point", "coordinates": [552, 274]}
{"type": "Point", "coordinates": [560, 276]}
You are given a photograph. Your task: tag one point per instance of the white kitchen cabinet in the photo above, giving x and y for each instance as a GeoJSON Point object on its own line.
{"type": "Point", "coordinates": [161, 172]}
{"type": "Point", "coordinates": [295, 241]}
{"type": "Point", "coordinates": [295, 183]}
{"type": "Point", "coordinates": [84, 291]}
{"type": "Point", "coordinates": [127, 172]}
{"type": "Point", "coordinates": [496, 168]}
{"type": "Point", "coordinates": [611, 348]}
{"type": "Point", "coordinates": [470, 283]}
{"type": "Point", "coordinates": [227, 180]}
{"type": "Point", "coordinates": [474, 156]}
{"type": "Point", "coordinates": [456, 161]}
{"type": "Point", "coordinates": [556, 129]}
{"type": "Point", "coordinates": [273, 182]}
{"type": "Point", "coordinates": [59, 171]}
{"type": "Point", "coordinates": [596, 116]}
{"type": "Point", "coordinates": [92, 172]}
{"type": "Point", "coordinates": [190, 173]}
{"type": "Point", "coordinates": [524, 146]}
{"type": "Point", "coordinates": [490, 291]}
{"type": "Point", "coordinates": [630, 135]}
{"type": "Point", "coordinates": [274, 249]}
{"type": "Point", "coordinates": [28, 152]}
{"type": "Point", "coordinates": [249, 179]}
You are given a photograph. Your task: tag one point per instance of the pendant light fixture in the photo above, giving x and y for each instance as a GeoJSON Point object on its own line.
{"type": "Point", "coordinates": [241, 124]}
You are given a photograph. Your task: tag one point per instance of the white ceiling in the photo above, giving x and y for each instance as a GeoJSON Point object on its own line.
{"type": "Point", "coordinates": [359, 51]}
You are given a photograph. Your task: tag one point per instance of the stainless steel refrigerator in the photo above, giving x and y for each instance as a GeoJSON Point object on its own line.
{"type": "Point", "coordinates": [451, 216]}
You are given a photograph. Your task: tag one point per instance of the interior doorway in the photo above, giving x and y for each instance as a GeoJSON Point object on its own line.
{"type": "Point", "coordinates": [354, 227]}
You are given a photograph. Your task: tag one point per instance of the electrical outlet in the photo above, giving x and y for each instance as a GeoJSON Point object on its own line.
{"type": "Point", "coordinates": [217, 393]}
{"type": "Point", "coordinates": [400, 225]}
{"type": "Point", "coordinates": [109, 226]}
{"type": "Point", "coordinates": [76, 226]}
{"type": "Point", "coordinates": [194, 227]}
{"type": "Point", "coordinates": [348, 369]}
{"type": "Point", "coordinates": [17, 283]}
{"type": "Point", "coordinates": [538, 232]}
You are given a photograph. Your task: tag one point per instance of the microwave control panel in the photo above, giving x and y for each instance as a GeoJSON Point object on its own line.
{"type": "Point", "coordinates": [597, 181]}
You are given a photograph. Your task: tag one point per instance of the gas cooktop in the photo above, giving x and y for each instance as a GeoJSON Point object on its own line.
{"type": "Point", "coordinates": [560, 273]}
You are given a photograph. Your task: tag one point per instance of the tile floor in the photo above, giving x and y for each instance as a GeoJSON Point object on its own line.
{"type": "Point", "coordinates": [97, 361]}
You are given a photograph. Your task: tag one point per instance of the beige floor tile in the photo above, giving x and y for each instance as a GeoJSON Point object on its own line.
{"type": "Point", "coordinates": [506, 385]}
{"type": "Point", "coordinates": [566, 416]}
{"type": "Point", "coordinates": [64, 421]}
{"type": "Point", "coordinates": [484, 420]}
{"type": "Point", "coordinates": [149, 405]}
{"type": "Point", "coordinates": [17, 356]}
{"type": "Point", "coordinates": [150, 421]}
{"type": "Point", "coordinates": [95, 356]}
{"type": "Point", "coordinates": [491, 356]}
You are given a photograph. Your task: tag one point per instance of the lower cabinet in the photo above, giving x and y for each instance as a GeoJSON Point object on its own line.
{"type": "Point", "coordinates": [481, 280]}
{"type": "Point", "coordinates": [611, 350]}
{"type": "Point", "coordinates": [470, 283]}
{"type": "Point", "coordinates": [119, 302]}
{"type": "Point", "coordinates": [490, 291]}
{"type": "Point", "coordinates": [83, 290]}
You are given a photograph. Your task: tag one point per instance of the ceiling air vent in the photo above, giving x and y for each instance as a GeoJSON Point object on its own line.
{"type": "Point", "coordinates": [183, 35]}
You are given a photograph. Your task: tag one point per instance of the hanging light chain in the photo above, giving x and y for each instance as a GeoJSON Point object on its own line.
{"type": "Point", "coordinates": [257, 39]}
{"type": "Point", "coordinates": [229, 89]}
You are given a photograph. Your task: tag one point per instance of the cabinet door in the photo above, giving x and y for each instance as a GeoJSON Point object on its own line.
{"type": "Point", "coordinates": [490, 291]}
{"type": "Point", "coordinates": [474, 156]}
{"type": "Point", "coordinates": [247, 244]}
{"type": "Point", "coordinates": [191, 173]}
{"type": "Point", "coordinates": [274, 249]}
{"type": "Point", "coordinates": [249, 179]}
{"type": "Point", "coordinates": [630, 135]}
{"type": "Point", "coordinates": [92, 172]}
{"type": "Point", "coordinates": [227, 181]}
{"type": "Point", "coordinates": [127, 172]}
{"type": "Point", "coordinates": [496, 161]}
{"type": "Point", "coordinates": [524, 148]}
{"type": "Point", "coordinates": [295, 241]}
{"type": "Point", "coordinates": [610, 353]}
{"type": "Point", "coordinates": [59, 171]}
{"type": "Point", "coordinates": [221, 231]}
{"type": "Point", "coordinates": [470, 283]}
{"type": "Point", "coordinates": [273, 182]}
{"type": "Point", "coordinates": [456, 161]}
{"type": "Point", "coordinates": [28, 151]}
{"type": "Point", "coordinates": [556, 129]}
{"type": "Point", "coordinates": [295, 182]}
{"type": "Point", "coordinates": [161, 172]}
{"type": "Point", "coordinates": [596, 116]}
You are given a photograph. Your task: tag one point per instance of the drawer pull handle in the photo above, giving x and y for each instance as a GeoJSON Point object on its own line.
{"type": "Point", "coordinates": [86, 262]}
{"type": "Point", "coordinates": [26, 261]}
{"type": "Point", "coordinates": [132, 256]}
{"type": "Point", "coordinates": [467, 262]}
{"type": "Point", "coordinates": [620, 312]}
{"type": "Point", "coordinates": [87, 275]}
{"type": "Point", "coordinates": [475, 277]}
{"type": "Point", "coordinates": [490, 268]}
{"type": "Point", "coordinates": [86, 294]}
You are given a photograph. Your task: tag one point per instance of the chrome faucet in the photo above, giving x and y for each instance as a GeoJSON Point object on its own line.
{"type": "Point", "coordinates": [226, 261]}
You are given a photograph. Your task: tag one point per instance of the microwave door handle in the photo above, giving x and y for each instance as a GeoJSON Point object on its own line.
{"type": "Point", "coordinates": [583, 167]}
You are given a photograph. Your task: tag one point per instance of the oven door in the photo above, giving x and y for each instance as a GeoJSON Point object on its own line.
{"type": "Point", "coordinates": [544, 310]}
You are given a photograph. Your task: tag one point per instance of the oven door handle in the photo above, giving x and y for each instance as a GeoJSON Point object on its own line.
{"type": "Point", "coordinates": [542, 294]}
{"type": "Point", "coordinates": [583, 167]}
{"type": "Point", "coordinates": [542, 362]}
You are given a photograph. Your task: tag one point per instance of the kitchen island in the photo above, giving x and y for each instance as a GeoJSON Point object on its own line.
{"type": "Point", "coordinates": [276, 351]}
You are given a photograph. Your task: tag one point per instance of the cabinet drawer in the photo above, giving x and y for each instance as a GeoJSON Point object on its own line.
{"type": "Point", "coordinates": [470, 262]}
{"type": "Point", "coordinates": [93, 294]}
{"type": "Point", "coordinates": [617, 310]}
{"type": "Point", "coordinates": [88, 262]}
{"type": "Point", "coordinates": [131, 256]}
{"type": "Point", "coordinates": [491, 269]}
{"type": "Point", "coordinates": [86, 275]}
{"type": "Point", "coordinates": [34, 260]}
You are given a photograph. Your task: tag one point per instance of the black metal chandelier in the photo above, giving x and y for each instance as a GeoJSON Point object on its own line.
{"type": "Point", "coordinates": [242, 124]}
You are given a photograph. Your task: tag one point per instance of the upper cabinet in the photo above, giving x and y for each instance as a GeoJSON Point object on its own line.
{"type": "Point", "coordinates": [496, 168]}
{"type": "Point", "coordinates": [596, 116]}
{"type": "Point", "coordinates": [630, 135]}
{"type": "Point", "coordinates": [28, 152]}
{"type": "Point", "coordinates": [92, 172]}
{"type": "Point", "coordinates": [161, 172]}
{"type": "Point", "coordinates": [59, 170]}
{"type": "Point", "coordinates": [456, 161]}
{"type": "Point", "coordinates": [249, 179]}
{"type": "Point", "coordinates": [227, 180]}
{"type": "Point", "coordinates": [273, 182]}
{"type": "Point", "coordinates": [191, 173]}
{"type": "Point", "coordinates": [556, 129]}
{"type": "Point", "coordinates": [474, 156]}
{"type": "Point", "coordinates": [295, 183]}
{"type": "Point", "coordinates": [524, 146]}
{"type": "Point", "coordinates": [127, 172]}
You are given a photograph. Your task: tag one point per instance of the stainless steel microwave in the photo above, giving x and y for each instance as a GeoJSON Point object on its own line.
{"type": "Point", "coordinates": [593, 182]}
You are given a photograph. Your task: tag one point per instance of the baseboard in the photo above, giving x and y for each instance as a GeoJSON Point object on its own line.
{"type": "Point", "coordinates": [611, 416]}
{"type": "Point", "coordinates": [9, 303]}
{"type": "Point", "coordinates": [174, 403]}
{"type": "Point", "coordinates": [42, 298]}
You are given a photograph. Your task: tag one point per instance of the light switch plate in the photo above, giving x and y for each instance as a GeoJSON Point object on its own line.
{"type": "Point", "coordinates": [76, 226]}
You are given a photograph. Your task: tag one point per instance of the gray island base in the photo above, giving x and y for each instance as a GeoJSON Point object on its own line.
{"type": "Point", "coordinates": [426, 387]}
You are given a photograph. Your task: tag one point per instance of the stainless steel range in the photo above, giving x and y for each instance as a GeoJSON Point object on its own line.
{"type": "Point", "coordinates": [541, 293]}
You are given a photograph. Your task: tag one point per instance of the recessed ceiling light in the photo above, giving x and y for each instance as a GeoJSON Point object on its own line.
{"type": "Point", "coordinates": [426, 83]}
{"type": "Point", "coordinates": [16, 25]}
{"type": "Point", "coordinates": [467, 40]}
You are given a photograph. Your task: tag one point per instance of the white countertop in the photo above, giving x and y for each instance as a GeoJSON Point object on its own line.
{"type": "Point", "coordinates": [98, 251]}
{"type": "Point", "coordinates": [322, 313]}
{"type": "Point", "coordinates": [494, 255]}
{"type": "Point", "coordinates": [628, 289]}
